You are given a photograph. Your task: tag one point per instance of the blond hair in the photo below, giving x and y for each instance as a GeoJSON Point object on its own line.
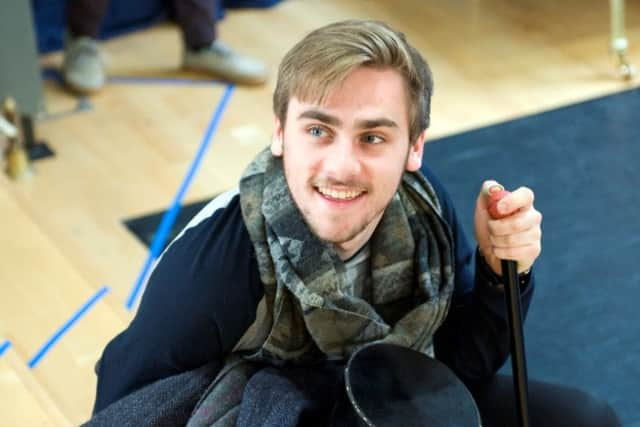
{"type": "Point", "coordinates": [326, 56]}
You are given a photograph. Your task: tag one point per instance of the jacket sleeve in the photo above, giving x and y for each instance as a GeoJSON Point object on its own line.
{"type": "Point", "coordinates": [199, 300]}
{"type": "Point", "coordinates": [474, 338]}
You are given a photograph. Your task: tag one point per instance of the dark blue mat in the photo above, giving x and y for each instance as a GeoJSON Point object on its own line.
{"type": "Point", "coordinates": [582, 161]}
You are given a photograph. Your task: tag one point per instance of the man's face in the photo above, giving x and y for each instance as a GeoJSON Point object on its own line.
{"type": "Point", "coordinates": [343, 160]}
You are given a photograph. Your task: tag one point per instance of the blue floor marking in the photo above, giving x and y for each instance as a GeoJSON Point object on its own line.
{"type": "Point", "coordinates": [160, 236]}
{"type": "Point", "coordinates": [68, 324]}
{"type": "Point", "coordinates": [53, 74]}
{"type": "Point", "coordinates": [178, 81]}
{"type": "Point", "coordinates": [4, 347]}
{"type": "Point", "coordinates": [84, 104]}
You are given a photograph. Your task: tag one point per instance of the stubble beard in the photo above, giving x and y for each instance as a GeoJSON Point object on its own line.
{"type": "Point", "coordinates": [358, 228]}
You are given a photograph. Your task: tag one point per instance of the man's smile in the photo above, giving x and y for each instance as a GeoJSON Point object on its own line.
{"type": "Point", "coordinates": [340, 194]}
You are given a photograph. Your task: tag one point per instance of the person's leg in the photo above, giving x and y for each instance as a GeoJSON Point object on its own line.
{"type": "Point", "coordinates": [204, 53]}
{"type": "Point", "coordinates": [84, 17]}
{"type": "Point", "coordinates": [196, 19]}
{"type": "Point", "coordinates": [550, 405]}
{"type": "Point", "coordinates": [82, 68]}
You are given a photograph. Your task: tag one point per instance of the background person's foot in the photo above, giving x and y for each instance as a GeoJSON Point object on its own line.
{"type": "Point", "coordinates": [82, 68]}
{"type": "Point", "coordinates": [221, 61]}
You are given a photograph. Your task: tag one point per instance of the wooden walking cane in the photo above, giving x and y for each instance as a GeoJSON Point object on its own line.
{"type": "Point", "coordinates": [514, 321]}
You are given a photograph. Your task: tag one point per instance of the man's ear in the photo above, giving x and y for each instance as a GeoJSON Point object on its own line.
{"type": "Point", "coordinates": [276, 141]}
{"type": "Point", "coordinates": [414, 159]}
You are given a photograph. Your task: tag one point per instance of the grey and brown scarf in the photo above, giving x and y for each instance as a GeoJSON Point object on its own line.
{"type": "Point", "coordinates": [412, 269]}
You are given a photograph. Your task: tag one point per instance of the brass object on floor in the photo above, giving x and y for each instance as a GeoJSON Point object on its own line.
{"type": "Point", "coordinates": [619, 42]}
{"type": "Point", "coordinates": [17, 159]}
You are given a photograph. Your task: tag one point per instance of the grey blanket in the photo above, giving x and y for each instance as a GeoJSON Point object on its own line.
{"type": "Point", "coordinates": [167, 402]}
{"type": "Point", "coordinates": [273, 397]}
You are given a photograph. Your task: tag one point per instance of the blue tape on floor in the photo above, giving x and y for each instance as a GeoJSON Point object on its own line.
{"type": "Point", "coordinates": [172, 81]}
{"type": "Point", "coordinates": [170, 215]}
{"type": "Point", "coordinates": [83, 105]}
{"type": "Point", "coordinates": [69, 323]}
{"type": "Point", "coordinates": [4, 347]}
{"type": "Point", "coordinates": [53, 74]}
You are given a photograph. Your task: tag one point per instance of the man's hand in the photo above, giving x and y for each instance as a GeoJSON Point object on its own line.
{"type": "Point", "coordinates": [516, 236]}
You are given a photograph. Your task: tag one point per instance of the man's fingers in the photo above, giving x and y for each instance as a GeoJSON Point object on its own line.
{"type": "Point", "coordinates": [524, 238]}
{"type": "Point", "coordinates": [516, 223]}
{"type": "Point", "coordinates": [490, 186]}
{"type": "Point", "coordinates": [521, 198]}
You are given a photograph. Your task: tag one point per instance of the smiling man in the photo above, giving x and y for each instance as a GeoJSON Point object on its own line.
{"type": "Point", "coordinates": [337, 237]}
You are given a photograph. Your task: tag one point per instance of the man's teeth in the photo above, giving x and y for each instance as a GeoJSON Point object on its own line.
{"type": "Point", "coordinates": [340, 194]}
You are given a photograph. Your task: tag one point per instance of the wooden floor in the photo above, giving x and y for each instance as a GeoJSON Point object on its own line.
{"type": "Point", "coordinates": [62, 233]}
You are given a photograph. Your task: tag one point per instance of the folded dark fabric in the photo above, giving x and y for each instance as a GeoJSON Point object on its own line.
{"type": "Point", "coordinates": [167, 402]}
{"type": "Point", "coordinates": [219, 405]}
{"type": "Point", "coordinates": [296, 396]}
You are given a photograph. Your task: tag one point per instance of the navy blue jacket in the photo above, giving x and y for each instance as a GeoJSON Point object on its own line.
{"type": "Point", "coordinates": [203, 295]}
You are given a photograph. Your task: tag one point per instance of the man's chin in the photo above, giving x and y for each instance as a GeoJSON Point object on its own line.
{"type": "Point", "coordinates": [334, 230]}
{"type": "Point", "coordinates": [335, 238]}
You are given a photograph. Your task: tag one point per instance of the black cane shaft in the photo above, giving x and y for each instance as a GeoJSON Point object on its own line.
{"type": "Point", "coordinates": [518, 361]}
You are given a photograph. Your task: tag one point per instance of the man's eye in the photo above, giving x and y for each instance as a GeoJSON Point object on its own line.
{"type": "Point", "coordinates": [373, 139]}
{"type": "Point", "coordinates": [316, 131]}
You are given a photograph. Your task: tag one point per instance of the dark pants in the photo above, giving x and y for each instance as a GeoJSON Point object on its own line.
{"type": "Point", "coordinates": [196, 19]}
{"type": "Point", "coordinates": [549, 405]}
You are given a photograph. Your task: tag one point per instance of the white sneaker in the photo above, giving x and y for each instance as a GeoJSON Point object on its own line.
{"type": "Point", "coordinates": [82, 68]}
{"type": "Point", "coordinates": [221, 61]}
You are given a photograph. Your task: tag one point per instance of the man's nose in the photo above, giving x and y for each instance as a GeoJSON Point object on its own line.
{"type": "Point", "coordinates": [343, 161]}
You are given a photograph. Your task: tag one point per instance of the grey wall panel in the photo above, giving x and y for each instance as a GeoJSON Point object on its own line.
{"type": "Point", "coordinates": [19, 67]}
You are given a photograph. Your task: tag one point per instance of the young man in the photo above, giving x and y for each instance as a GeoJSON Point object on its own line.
{"type": "Point", "coordinates": [337, 237]}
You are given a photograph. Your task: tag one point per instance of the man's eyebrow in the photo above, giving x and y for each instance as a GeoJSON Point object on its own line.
{"type": "Point", "coordinates": [334, 121]}
{"type": "Point", "coordinates": [323, 117]}
{"type": "Point", "coordinates": [374, 123]}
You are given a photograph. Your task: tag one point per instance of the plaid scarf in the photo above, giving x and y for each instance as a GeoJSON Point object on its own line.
{"type": "Point", "coordinates": [411, 269]}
